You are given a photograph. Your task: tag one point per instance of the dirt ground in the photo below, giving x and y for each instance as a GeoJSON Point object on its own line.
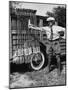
{"type": "Point", "coordinates": [37, 78]}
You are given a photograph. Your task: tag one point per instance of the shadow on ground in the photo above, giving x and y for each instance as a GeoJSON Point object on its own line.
{"type": "Point", "coordinates": [21, 68]}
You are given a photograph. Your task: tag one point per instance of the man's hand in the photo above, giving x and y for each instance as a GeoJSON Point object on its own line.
{"type": "Point", "coordinates": [61, 33]}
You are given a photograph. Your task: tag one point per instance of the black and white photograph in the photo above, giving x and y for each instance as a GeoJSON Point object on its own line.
{"type": "Point", "coordinates": [37, 44]}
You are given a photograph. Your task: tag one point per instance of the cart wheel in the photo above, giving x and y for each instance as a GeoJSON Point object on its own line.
{"type": "Point", "coordinates": [37, 61]}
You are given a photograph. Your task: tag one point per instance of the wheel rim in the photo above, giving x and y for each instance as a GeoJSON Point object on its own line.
{"type": "Point", "coordinates": [37, 61]}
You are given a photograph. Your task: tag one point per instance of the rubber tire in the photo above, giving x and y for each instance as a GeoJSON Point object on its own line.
{"type": "Point", "coordinates": [38, 68]}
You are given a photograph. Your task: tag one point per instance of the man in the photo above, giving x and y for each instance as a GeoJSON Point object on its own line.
{"type": "Point", "coordinates": [54, 33]}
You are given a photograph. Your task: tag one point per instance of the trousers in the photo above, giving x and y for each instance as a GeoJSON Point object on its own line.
{"type": "Point", "coordinates": [53, 48]}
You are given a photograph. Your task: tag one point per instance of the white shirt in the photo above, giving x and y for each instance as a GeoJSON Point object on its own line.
{"type": "Point", "coordinates": [55, 29]}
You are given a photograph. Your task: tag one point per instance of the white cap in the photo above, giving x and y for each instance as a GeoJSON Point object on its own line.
{"type": "Point", "coordinates": [50, 19]}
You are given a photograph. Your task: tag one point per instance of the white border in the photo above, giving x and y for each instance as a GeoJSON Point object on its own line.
{"type": "Point", "coordinates": [4, 43]}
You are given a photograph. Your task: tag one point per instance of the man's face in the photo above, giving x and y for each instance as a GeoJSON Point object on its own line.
{"type": "Point", "coordinates": [50, 23]}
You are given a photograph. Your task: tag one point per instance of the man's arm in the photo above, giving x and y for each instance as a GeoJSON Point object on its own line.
{"type": "Point", "coordinates": [34, 27]}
